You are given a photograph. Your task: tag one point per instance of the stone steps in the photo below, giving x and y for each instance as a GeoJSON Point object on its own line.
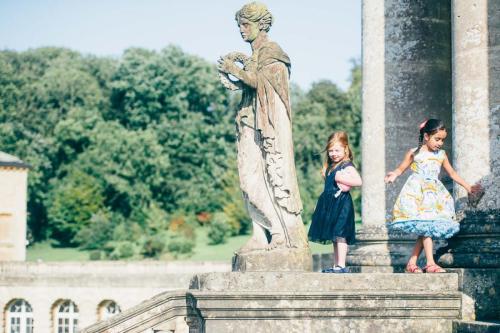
{"type": "Point", "coordinates": [258, 281]}
{"type": "Point", "coordinates": [316, 302]}
{"type": "Point", "coordinates": [160, 313]}
{"type": "Point", "coordinates": [299, 302]}
{"type": "Point", "coordinates": [309, 305]}
{"type": "Point", "coordinates": [462, 326]}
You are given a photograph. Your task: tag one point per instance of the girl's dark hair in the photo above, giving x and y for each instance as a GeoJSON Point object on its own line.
{"type": "Point", "coordinates": [429, 127]}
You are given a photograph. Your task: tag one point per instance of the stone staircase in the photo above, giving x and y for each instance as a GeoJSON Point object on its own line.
{"type": "Point", "coordinates": [300, 302]}
{"type": "Point", "coordinates": [463, 326]}
{"type": "Point", "coordinates": [165, 312]}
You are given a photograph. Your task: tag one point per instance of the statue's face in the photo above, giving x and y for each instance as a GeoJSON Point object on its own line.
{"type": "Point", "coordinates": [248, 29]}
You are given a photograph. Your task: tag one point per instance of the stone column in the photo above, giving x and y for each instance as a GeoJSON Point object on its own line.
{"type": "Point", "coordinates": [406, 79]}
{"type": "Point", "coordinates": [417, 77]}
{"type": "Point", "coordinates": [373, 106]}
{"type": "Point", "coordinates": [476, 99]}
{"type": "Point", "coordinates": [475, 251]}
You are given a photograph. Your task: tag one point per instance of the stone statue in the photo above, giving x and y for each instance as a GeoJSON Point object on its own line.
{"type": "Point", "coordinates": [265, 149]}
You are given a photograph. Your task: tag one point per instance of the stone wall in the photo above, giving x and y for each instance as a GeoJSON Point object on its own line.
{"type": "Point", "coordinates": [89, 284]}
{"type": "Point", "coordinates": [13, 192]}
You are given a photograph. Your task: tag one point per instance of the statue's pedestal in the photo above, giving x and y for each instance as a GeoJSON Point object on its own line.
{"type": "Point", "coordinates": [287, 260]}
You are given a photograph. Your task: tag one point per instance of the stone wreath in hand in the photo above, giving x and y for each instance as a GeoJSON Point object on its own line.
{"type": "Point", "coordinates": [224, 77]}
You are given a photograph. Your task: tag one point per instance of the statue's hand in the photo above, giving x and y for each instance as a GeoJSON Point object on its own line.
{"type": "Point", "coordinates": [227, 66]}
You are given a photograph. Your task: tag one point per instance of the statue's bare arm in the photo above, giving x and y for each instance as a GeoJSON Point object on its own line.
{"type": "Point", "coordinates": [229, 67]}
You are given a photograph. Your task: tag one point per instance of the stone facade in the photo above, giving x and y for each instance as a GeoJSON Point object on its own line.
{"type": "Point", "coordinates": [90, 286]}
{"type": "Point", "coordinates": [13, 199]}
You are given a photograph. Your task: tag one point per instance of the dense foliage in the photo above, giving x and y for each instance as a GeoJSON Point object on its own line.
{"type": "Point", "coordinates": [129, 156]}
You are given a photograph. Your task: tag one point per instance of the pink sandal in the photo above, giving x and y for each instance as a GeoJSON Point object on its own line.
{"type": "Point", "coordinates": [434, 269]}
{"type": "Point", "coordinates": [412, 268]}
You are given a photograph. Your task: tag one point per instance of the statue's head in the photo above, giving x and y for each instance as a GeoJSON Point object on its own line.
{"type": "Point", "coordinates": [253, 18]}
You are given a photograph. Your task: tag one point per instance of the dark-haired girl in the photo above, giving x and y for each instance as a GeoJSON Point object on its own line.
{"type": "Point", "coordinates": [424, 207]}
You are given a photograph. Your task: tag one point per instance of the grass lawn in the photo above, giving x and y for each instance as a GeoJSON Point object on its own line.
{"type": "Point", "coordinates": [202, 251]}
{"type": "Point", "coordinates": [45, 252]}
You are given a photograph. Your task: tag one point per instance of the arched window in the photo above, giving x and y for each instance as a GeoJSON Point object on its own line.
{"type": "Point", "coordinates": [66, 317]}
{"type": "Point", "coordinates": [19, 317]}
{"type": "Point", "coordinates": [108, 309]}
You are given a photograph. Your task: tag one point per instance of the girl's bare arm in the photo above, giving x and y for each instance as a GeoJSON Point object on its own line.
{"type": "Point", "coordinates": [349, 176]}
{"type": "Point", "coordinates": [454, 175]}
{"type": "Point", "coordinates": [407, 160]}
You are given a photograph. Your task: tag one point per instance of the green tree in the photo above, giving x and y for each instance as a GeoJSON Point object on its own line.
{"type": "Point", "coordinates": [126, 153]}
{"type": "Point", "coordinates": [72, 203]}
{"type": "Point", "coordinates": [150, 86]}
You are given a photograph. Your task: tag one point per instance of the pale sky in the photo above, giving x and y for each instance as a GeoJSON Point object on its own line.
{"type": "Point", "coordinates": [320, 36]}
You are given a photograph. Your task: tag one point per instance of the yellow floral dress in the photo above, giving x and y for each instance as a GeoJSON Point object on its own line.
{"type": "Point", "coordinates": [424, 207]}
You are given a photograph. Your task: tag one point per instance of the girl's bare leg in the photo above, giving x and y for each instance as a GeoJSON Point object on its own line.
{"type": "Point", "coordinates": [429, 255]}
{"type": "Point", "coordinates": [342, 252]}
{"type": "Point", "coordinates": [335, 254]}
{"type": "Point", "coordinates": [431, 266]}
{"type": "Point", "coordinates": [416, 251]}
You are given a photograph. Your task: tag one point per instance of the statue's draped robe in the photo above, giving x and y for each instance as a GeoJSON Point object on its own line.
{"type": "Point", "coordinates": [265, 148]}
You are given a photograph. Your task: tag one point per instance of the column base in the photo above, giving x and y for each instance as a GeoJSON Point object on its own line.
{"type": "Point", "coordinates": [477, 245]}
{"type": "Point", "coordinates": [474, 253]}
{"type": "Point", "coordinates": [380, 250]}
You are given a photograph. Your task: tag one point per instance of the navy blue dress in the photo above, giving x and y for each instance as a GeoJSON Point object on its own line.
{"type": "Point", "coordinates": [333, 217]}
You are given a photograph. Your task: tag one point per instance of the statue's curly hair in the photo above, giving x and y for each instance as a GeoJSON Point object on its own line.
{"type": "Point", "coordinates": [256, 12]}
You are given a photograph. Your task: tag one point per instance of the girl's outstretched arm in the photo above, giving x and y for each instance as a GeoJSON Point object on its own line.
{"type": "Point", "coordinates": [392, 175]}
{"type": "Point", "coordinates": [349, 176]}
{"type": "Point", "coordinates": [454, 175]}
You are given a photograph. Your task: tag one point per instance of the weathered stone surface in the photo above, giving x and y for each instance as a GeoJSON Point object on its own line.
{"type": "Point", "coordinates": [477, 244]}
{"type": "Point", "coordinates": [104, 274]}
{"type": "Point", "coordinates": [164, 311]}
{"type": "Point", "coordinates": [373, 106]}
{"type": "Point", "coordinates": [406, 79]}
{"type": "Point", "coordinates": [289, 305]}
{"type": "Point", "coordinates": [482, 286]}
{"type": "Point", "coordinates": [460, 326]}
{"type": "Point", "coordinates": [286, 259]}
{"type": "Point", "coordinates": [313, 302]}
{"type": "Point", "coordinates": [266, 164]}
{"type": "Point", "coordinates": [321, 282]}
{"type": "Point", "coordinates": [378, 250]}
{"type": "Point", "coordinates": [476, 128]}
{"type": "Point", "coordinates": [336, 325]}
{"type": "Point", "coordinates": [298, 302]}
{"type": "Point", "coordinates": [476, 98]}
{"type": "Point", "coordinates": [417, 78]}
